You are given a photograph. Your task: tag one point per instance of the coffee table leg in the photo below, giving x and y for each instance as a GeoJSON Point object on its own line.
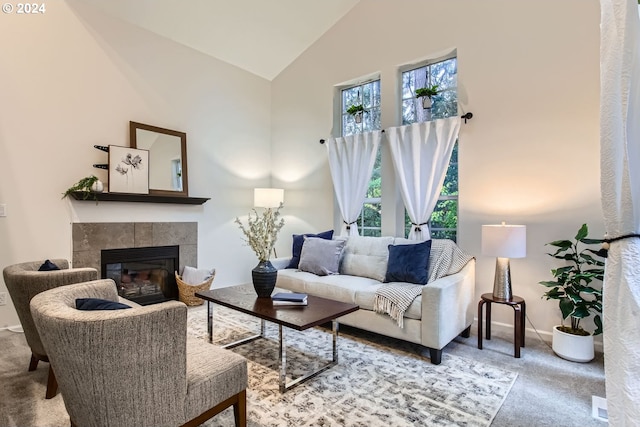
{"type": "Point", "coordinates": [248, 339]}
{"type": "Point", "coordinates": [282, 361]}
{"type": "Point", "coordinates": [335, 326]}
{"type": "Point", "coordinates": [210, 321]}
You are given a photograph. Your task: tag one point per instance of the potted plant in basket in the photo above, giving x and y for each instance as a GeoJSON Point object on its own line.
{"type": "Point", "coordinates": [578, 298]}
{"type": "Point", "coordinates": [89, 185]}
{"type": "Point", "coordinates": [356, 111]}
{"type": "Point", "coordinates": [426, 93]}
{"type": "Point", "coordinates": [261, 234]}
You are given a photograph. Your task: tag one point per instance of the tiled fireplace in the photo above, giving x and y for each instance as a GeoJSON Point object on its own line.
{"type": "Point", "coordinates": [143, 275]}
{"type": "Point", "coordinates": [139, 256]}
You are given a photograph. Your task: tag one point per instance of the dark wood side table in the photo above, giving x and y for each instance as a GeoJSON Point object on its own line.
{"type": "Point", "coordinates": [519, 315]}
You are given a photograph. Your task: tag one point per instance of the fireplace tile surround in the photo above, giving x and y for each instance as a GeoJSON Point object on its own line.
{"type": "Point", "coordinates": [89, 238]}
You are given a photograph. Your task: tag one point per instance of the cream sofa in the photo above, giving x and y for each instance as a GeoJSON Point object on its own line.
{"type": "Point", "coordinates": [442, 311]}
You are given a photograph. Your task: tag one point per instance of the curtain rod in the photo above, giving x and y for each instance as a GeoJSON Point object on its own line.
{"type": "Point", "coordinates": [466, 117]}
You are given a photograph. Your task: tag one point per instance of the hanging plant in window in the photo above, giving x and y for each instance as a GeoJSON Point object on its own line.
{"type": "Point", "coordinates": [356, 111]}
{"type": "Point", "coordinates": [426, 93]}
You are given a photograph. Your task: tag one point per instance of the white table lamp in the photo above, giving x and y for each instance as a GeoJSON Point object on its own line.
{"type": "Point", "coordinates": [267, 197]}
{"type": "Point", "coordinates": [503, 242]}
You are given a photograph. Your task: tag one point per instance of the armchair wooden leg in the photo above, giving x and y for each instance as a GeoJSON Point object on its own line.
{"type": "Point", "coordinates": [239, 402]}
{"type": "Point", "coordinates": [33, 364]}
{"type": "Point", "coordinates": [240, 409]}
{"type": "Point", "coordinates": [52, 384]}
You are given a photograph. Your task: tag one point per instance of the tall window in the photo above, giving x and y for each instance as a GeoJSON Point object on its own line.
{"type": "Point", "coordinates": [368, 96]}
{"type": "Point", "coordinates": [444, 219]}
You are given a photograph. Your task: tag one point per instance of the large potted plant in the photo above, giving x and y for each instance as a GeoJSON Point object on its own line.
{"type": "Point", "coordinates": [261, 234]}
{"type": "Point", "coordinates": [578, 289]}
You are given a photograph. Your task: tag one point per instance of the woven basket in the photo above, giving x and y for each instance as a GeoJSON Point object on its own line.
{"type": "Point", "coordinates": [187, 292]}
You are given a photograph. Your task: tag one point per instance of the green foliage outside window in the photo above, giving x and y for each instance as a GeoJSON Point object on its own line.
{"type": "Point", "coordinates": [444, 75]}
{"type": "Point", "coordinates": [370, 221]}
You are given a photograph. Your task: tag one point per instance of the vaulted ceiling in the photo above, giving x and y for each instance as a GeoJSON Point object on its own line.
{"type": "Point", "coordinates": [260, 36]}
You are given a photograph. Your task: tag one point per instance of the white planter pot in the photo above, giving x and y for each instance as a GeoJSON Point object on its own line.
{"type": "Point", "coordinates": [97, 187]}
{"type": "Point", "coordinates": [426, 102]}
{"type": "Point", "coordinates": [575, 348]}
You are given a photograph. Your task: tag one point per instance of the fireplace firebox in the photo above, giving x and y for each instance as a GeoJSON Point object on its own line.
{"type": "Point", "coordinates": [143, 275]}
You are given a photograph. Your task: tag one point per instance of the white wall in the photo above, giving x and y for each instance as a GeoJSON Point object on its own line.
{"type": "Point", "coordinates": [72, 78]}
{"type": "Point", "coordinates": [529, 72]}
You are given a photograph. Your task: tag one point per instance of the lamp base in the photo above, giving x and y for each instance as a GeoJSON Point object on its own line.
{"type": "Point", "coordinates": [502, 280]}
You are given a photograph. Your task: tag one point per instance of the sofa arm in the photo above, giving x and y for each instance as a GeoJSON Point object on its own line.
{"type": "Point", "coordinates": [280, 263]}
{"type": "Point", "coordinates": [447, 307]}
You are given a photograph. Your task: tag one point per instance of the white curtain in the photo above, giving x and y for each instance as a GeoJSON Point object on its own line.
{"type": "Point", "coordinates": [351, 160]}
{"type": "Point", "coordinates": [421, 153]}
{"type": "Point", "coordinates": [620, 186]}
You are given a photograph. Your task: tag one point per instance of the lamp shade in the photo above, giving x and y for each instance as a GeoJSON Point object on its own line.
{"type": "Point", "coordinates": [504, 241]}
{"type": "Point", "coordinates": [267, 197]}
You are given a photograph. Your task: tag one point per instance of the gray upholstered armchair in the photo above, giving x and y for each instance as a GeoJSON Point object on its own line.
{"type": "Point", "coordinates": [135, 367]}
{"type": "Point", "coordinates": [24, 281]}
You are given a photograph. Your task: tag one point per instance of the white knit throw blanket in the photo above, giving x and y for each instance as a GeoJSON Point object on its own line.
{"type": "Point", "coordinates": [394, 299]}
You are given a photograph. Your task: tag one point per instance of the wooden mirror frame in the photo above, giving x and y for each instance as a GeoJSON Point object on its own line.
{"type": "Point", "coordinates": [134, 126]}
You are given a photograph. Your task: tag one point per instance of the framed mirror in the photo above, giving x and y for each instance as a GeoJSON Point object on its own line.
{"type": "Point", "coordinates": [167, 158]}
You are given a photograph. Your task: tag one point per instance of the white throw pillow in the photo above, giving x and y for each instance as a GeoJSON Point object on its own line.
{"type": "Point", "coordinates": [320, 256]}
{"type": "Point", "coordinates": [195, 276]}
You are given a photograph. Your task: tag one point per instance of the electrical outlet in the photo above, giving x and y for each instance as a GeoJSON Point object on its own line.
{"type": "Point", "coordinates": [3, 298]}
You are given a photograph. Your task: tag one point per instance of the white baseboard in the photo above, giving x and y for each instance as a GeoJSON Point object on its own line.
{"type": "Point", "coordinates": [546, 336]}
{"type": "Point", "coordinates": [13, 328]}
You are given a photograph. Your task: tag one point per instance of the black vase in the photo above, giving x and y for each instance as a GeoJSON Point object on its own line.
{"type": "Point", "coordinates": [264, 277]}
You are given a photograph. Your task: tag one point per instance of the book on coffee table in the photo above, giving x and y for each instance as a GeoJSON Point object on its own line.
{"type": "Point", "coordinates": [278, 303]}
{"type": "Point", "coordinates": [289, 297]}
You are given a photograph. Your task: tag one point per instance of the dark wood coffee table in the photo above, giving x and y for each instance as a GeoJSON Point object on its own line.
{"type": "Point", "coordinates": [243, 298]}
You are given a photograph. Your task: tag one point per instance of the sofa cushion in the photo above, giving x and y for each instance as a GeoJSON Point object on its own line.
{"type": "Point", "coordinates": [366, 257]}
{"type": "Point", "coordinates": [321, 256]}
{"type": "Point", "coordinates": [409, 263]}
{"type": "Point", "coordinates": [341, 287]}
{"type": "Point", "coordinates": [298, 240]}
{"type": "Point", "coordinates": [344, 288]}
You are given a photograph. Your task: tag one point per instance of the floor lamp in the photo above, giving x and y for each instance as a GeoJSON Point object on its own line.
{"type": "Point", "coordinates": [503, 242]}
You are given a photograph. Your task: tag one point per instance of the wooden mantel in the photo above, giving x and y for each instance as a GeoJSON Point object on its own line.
{"type": "Point", "coordinates": [144, 198]}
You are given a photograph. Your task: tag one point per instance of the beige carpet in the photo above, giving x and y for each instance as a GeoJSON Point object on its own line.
{"type": "Point", "coordinates": [379, 382]}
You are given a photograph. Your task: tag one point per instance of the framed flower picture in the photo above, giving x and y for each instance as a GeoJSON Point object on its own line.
{"type": "Point", "coordinates": [128, 170]}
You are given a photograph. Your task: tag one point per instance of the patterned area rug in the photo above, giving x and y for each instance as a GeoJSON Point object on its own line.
{"type": "Point", "coordinates": [378, 381]}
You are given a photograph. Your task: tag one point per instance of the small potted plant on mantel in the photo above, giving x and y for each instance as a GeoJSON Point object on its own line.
{"type": "Point", "coordinates": [356, 111]}
{"type": "Point", "coordinates": [88, 186]}
{"type": "Point", "coordinates": [426, 93]}
{"type": "Point", "coordinates": [578, 298]}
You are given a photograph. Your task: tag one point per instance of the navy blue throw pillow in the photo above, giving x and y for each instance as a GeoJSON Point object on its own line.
{"type": "Point", "coordinates": [409, 263]}
{"type": "Point", "coordinates": [98, 304]}
{"type": "Point", "coordinates": [298, 240]}
{"type": "Point", "coordinates": [48, 266]}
